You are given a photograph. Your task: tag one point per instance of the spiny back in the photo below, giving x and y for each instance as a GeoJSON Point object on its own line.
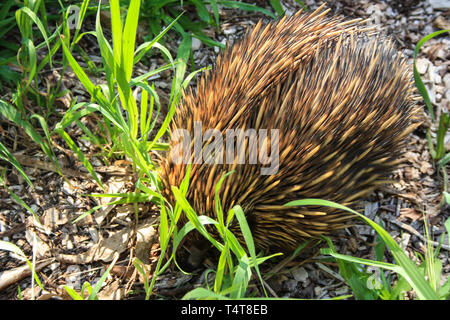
{"type": "Point", "coordinates": [342, 100]}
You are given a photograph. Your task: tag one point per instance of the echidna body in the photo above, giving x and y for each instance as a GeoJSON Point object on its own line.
{"type": "Point", "coordinates": [342, 100]}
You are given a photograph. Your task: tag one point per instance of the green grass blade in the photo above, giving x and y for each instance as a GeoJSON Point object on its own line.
{"type": "Point", "coordinates": [31, 62]}
{"type": "Point", "coordinates": [373, 263]}
{"type": "Point", "coordinates": [207, 40]}
{"type": "Point", "coordinates": [408, 268]}
{"type": "Point", "coordinates": [202, 293]}
{"type": "Point", "coordinates": [105, 47]}
{"type": "Point", "coordinates": [20, 201]}
{"type": "Point", "coordinates": [248, 241]}
{"type": "Point", "coordinates": [182, 58]}
{"type": "Point", "coordinates": [419, 83]}
{"type": "Point", "coordinates": [241, 278]}
{"type": "Point", "coordinates": [218, 205]}
{"type": "Point", "coordinates": [304, 6]}
{"type": "Point", "coordinates": [246, 7]}
{"type": "Point", "coordinates": [147, 75]}
{"type": "Point", "coordinates": [445, 159]}
{"type": "Point", "coordinates": [202, 12]}
{"type": "Point", "coordinates": [116, 25]}
{"type": "Point", "coordinates": [44, 126]}
{"type": "Point", "coordinates": [144, 112]}
{"type": "Point", "coordinates": [80, 156]}
{"type": "Point", "coordinates": [4, 10]}
{"type": "Point", "coordinates": [444, 123]}
{"type": "Point", "coordinates": [215, 9]}
{"type": "Point", "coordinates": [98, 286]}
{"type": "Point", "coordinates": [84, 79]}
{"type": "Point", "coordinates": [39, 24]}
{"type": "Point", "coordinates": [221, 267]}
{"type": "Point", "coordinates": [73, 294]}
{"type": "Point", "coordinates": [163, 224]}
{"type": "Point", "coordinates": [193, 218]}
{"type": "Point", "coordinates": [105, 107]}
{"type": "Point", "coordinates": [7, 156]}
{"type": "Point", "coordinates": [51, 53]}
{"type": "Point", "coordinates": [143, 48]}
{"type": "Point", "coordinates": [276, 5]}
{"type": "Point", "coordinates": [190, 226]}
{"type": "Point", "coordinates": [12, 114]}
{"type": "Point", "coordinates": [129, 39]}
{"type": "Point", "coordinates": [72, 114]}
{"type": "Point", "coordinates": [80, 17]}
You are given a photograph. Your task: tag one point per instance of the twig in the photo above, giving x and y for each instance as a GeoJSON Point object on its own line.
{"type": "Point", "coordinates": [48, 166]}
{"type": "Point", "coordinates": [416, 233]}
{"type": "Point", "coordinates": [9, 277]}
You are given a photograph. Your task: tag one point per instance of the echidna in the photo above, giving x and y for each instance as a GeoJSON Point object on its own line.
{"type": "Point", "coordinates": [342, 99]}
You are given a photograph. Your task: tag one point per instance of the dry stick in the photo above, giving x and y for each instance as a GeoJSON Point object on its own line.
{"type": "Point", "coordinates": [48, 166]}
{"type": "Point", "coordinates": [416, 233]}
{"type": "Point", "coordinates": [16, 229]}
{"type": "Point", "coordinates": [9, 277]}
{"type": "Point", "coordinates": [270, 289]}
{"type": "Point", "coordinates": [288, 259]}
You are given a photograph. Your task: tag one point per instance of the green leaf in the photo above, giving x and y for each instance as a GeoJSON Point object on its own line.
{"type": "Point", "coordinates": [38, 22]}
{"type": "Point", "coordinates": [193, 218]}
{"type": "Point", "coordinates": [419, 83]}
{"type": "Point", "coordinates": [80, 156]}
{"type": "Point", "coordinates": [12, 114]}
{"type": "Point", "coordinates": [246, 7]}
{"type": "Point", "coordinates": [245, 229]}
{"type": "Point", "coordinates": [215, 9]}
{"type": "Point", "coordinates": [98, 286]}
{"type": "Point", "coordinates": [221, 267]}
{"type": "Point", "coordinates": [276, 5]}
{"type": "Point", "coordinates": [406, 267]}
{"type": "Point", "coordinates": [241, 278]}
{"type": "Point", "coordinates": [202, 11]}
{"type": "Point", "coordinates": [202, 293]}
{"type": "Point", "coordinates": [73, 294]}
{"type": "Point", "coordinates": [182, 58]}
{"type": "Point", "coordinates": [304, 6]}
{"type": "Point", "coordinates": [44, 126]}
{"type": "Point", "coordinates": [218, 204]}
{"type": "Point", "coordinates": [7, 156]}
{"type": "Point", "coordinates": [130, 36]}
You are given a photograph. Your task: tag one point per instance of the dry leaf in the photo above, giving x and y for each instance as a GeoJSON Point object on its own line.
{"type": "Point", "coordinates": [103, 250]}
{"type": "Point", "coordinates": [106, 248]}
{"type": "Point", "coordinates": [52, 218]}
{"type": "Point", "coordinates": [34, 240]}
{"type": "Point", "coordinates": [146, 236]}
{"type": "Point", "coordinates": [112, 292]}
